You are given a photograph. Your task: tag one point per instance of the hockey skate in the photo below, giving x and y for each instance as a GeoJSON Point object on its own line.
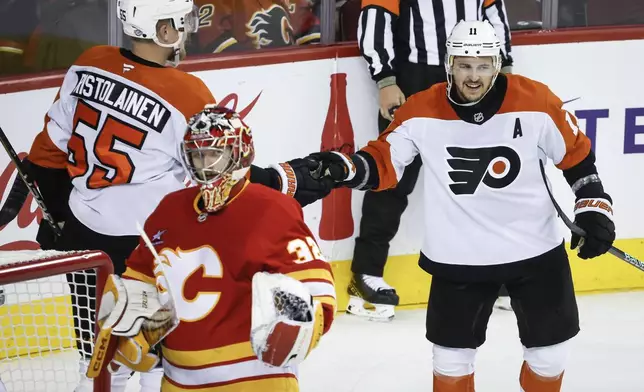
{"type": "Point", "coordinates": [372, 298]}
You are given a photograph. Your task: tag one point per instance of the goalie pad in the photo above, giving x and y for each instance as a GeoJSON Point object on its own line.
{"type": "Point", "coordinates": [131, 322]}
{"type": "Point", "coordinates": [286, 323]}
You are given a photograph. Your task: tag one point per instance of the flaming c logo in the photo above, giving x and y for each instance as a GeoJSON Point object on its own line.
{"type": "Point", "coordinates": [495, 167]}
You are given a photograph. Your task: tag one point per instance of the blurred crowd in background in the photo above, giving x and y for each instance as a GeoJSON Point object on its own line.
{"type": "Point", "coordinates": [45, 35]}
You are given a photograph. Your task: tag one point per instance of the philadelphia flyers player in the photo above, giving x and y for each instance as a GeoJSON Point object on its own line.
{"type": "Point", "coordinates": [489, 220]}
{"type": "Point", "coordinates": [248, 282]}
{"type": "Point", "coordinates": [107, 153]}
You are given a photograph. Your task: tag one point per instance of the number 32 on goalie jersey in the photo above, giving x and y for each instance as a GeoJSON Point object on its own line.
{"type": "Point", "coordinates": [191, 271]}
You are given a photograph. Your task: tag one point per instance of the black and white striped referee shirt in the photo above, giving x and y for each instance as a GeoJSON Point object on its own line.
{"type": "Point", "coordinates": [415, 31]}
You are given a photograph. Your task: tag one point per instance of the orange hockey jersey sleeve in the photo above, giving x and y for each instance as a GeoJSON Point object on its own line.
{"type": "Point", "coordinates": [397, 147]}
{"type": "Point", "coordinates": [291, 249]}
{"type": "Point", "coordinates": [562, 139]}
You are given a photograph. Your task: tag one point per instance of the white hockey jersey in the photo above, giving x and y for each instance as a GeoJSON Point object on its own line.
{"type": "Point", "coordinates": [116, 125]}
{"type": "Point", "coordinates": [484, 197]}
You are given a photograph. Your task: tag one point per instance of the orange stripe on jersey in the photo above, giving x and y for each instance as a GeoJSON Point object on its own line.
{"type": "Point", "coordinates": [45, 153]}
{"type": "Point", "coordinates": [317, 274]}
{"type": "Point", "coordinates": [392, 6]}
{"type": "Point", "coordinates": [136, 275]}
{"type": "Point", "coordinates": [430, 103]}
{"type": "Point", "coordinates": [167, 82]}
{"type": "Point", "coordinates": [526, 95]}
{"type": "Point", "coordinates": [488, 3]}
{"type": "Point", "coordinates": [214, 356]}
{"type": "Point", "coordinates": [281, 383]}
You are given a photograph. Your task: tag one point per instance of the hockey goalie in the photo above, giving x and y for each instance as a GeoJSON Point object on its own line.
{"type": "Point", "coordinates": [238, 292]}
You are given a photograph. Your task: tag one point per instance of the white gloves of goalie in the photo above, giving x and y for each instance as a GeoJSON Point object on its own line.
{"type": "Point", "coordinates": [132, 321]}
{"type": "Point", "coordinates": [286, 323]}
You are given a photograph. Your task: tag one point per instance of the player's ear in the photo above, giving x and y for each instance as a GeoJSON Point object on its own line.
{"type": "Point", "coordinates": [165, 31]}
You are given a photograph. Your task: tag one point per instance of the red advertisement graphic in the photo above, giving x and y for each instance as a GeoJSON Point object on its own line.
{"type": "Point", "coordinates": [336, 222]}
{"type": "Point", "coordinates": [26, 216]}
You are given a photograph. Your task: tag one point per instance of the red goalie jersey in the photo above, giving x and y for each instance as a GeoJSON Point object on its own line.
{"type": "Point", "coordinates": [210, 260]}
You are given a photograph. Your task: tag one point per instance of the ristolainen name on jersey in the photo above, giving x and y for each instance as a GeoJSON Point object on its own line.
{"type": "Point", "coordinates": [123, 98]}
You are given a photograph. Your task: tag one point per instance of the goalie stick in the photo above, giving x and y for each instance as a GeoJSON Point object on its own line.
{"type": "Point", "coordinates": [582, 233]}
{"type": "Point", "coordinates": [17, 195]}
{"type": "Point", "coordinates": [159, 266]}
{"type": "Point", "coordinates": [105, 342]}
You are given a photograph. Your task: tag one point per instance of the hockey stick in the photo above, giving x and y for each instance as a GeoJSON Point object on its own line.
{"type": "Point", "coordinates": [15, 200]}
{"type": "Point", "coordinates": [159, 271]}
{"type": "Point", "coordinates": [582, 233]}
{"type": "Point", "coordinates": [29, 184]}
{"type": "Point", "coordinates": [106, 343]}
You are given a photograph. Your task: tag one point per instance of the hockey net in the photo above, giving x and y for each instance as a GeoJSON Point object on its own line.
{"type": "Point", "coordinates": [46, 317]}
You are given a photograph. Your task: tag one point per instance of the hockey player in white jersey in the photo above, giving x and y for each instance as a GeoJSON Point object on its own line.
{"type": "Point", "coordinates": [108, 153]}
{"type": "Point", "coordinates": [488, 217]}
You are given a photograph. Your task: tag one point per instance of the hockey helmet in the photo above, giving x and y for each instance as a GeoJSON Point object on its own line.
{"type": "Point", "coordinates": [140, 18]}
{"type": "Point", "coordinates": [217, 151]}
{"type": "Point", "coordinates": [472, 39]}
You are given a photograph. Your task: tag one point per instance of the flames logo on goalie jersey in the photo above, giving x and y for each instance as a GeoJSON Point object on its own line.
{"type": "Point", "coordinates": [496, 167]}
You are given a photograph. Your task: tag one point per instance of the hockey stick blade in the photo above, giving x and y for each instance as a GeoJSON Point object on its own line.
{"type": "Point", "coordinates": [15, 200]}
{"type": "Point", "coordinates": [620, 254]}
{"type": "Point", "coordinates": [30, 184]}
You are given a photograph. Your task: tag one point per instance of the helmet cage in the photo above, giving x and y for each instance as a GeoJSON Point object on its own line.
{"type": "Point", "coordinates": [217, 152]}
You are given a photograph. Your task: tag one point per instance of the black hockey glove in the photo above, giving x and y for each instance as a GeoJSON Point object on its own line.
{"type": "Point", "coordinates": [298, 178]}
{"type": "Point", "coordinates": [595, 216]}
{"type": "Point", "coordinates": [337, 166]}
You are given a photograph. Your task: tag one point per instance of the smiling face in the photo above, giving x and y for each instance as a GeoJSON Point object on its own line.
{"type": "Point", "coordinates": [473, 76]}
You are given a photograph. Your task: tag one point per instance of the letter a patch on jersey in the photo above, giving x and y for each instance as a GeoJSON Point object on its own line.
{"type": "Point", "coordinates": [495, 167]}
{"type": "Point", "coordinates": [518, 132]}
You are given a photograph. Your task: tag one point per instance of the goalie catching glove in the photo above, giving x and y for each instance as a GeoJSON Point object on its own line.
{"type": "Point", "coordinates": [131, 321]}
{"type": "Point", "coordinates": [286, 322]}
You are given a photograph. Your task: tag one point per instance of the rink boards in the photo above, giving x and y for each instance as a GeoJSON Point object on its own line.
{"type": "Point", "coordinates": [286, 104]}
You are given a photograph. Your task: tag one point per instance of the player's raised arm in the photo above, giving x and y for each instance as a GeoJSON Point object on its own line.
{"type": "Point", "coordinates": [569, 148]}
{"type": "Point", "coordinates": [294, 178]}
{"type": "Point", "coordinates": [381, 163]}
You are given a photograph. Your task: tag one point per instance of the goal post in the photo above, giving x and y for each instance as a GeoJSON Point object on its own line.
{"type": "Point", "coordinates": [47, 303]}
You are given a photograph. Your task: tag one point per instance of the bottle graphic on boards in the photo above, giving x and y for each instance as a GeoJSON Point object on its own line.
{"type": "Point", "coordinates": [336, 222]}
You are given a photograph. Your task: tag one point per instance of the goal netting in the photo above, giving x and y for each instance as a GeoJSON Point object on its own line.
{"type": "Point", "coordinates": [47, 303]}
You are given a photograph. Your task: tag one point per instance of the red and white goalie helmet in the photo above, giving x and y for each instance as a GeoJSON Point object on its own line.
{"type": "Point", "coordinates": [217, 152]}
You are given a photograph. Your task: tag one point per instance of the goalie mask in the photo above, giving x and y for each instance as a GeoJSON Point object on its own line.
{"type": "Point", "coordinates": [469, 48]}
{"type": "Point", "coordinates": [217, 151]}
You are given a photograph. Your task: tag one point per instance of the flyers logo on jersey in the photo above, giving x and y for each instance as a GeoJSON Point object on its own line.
{"type": "Point", "coordinates": [270, 28]}
{"type": "Point", "coordinates": [495, 167]}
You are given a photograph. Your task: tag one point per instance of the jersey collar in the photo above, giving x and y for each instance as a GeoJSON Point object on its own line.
{"type": "Point", "coordinates": [490, 104]}
{"type": "Point", "coordinates": [132, 57]}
